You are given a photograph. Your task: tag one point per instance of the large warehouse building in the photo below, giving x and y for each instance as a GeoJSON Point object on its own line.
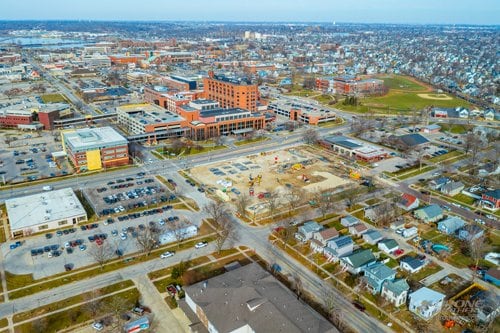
{"type": "Point", "coordinates": [95, 148]}
{"type": "Point", "coordinates": [44, 211]}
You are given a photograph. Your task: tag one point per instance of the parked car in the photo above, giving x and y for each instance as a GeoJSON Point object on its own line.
{"type": "Point", "coordinates": [167, 254]}
{"type": "Point", "coordinates": [98, 326]}
{"type": "Point", "coordinates": [358, 305]}
{"type": "Point", "coordinates": [201, 244]}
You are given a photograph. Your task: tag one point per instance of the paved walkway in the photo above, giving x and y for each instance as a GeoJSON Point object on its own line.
{"type": "Point", "coordinates": [164, 319]}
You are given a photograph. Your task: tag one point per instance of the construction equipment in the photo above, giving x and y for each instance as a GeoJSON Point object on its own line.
{"type": "Point", "coordinates": [297, 166]}
{"type": "Point", "coordinates": [354, 174]}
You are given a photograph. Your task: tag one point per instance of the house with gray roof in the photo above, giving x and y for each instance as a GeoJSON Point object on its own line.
{"type": "Point", "coordinates": [358, 229]}
{"type": "Point", "coordinates": [425, 302]}
{"type": "Point", "coordinates": [306, 231]}
{"type": "Point", "coordinates": [320, 238]}
{"type": "Point", "coordinates": [388, 245]}
{"type": "Point", "coordinates": [411, 264]}
{"type": "Point", "coordinates": [372, 236]}
{"type": "Point", "coordinates": [428, 214]}
{"type": "Point", "coordinates": [395, 291]}
{"type": "Point", "coordinates": [349, 220]}
{"type": "Point", "coordinates": [376, 274]}
{"type": "Point", "coordinates": [450, 225]}
{"type": "Point", "coordinates": [357, 261]}
{"type": "Point", "coordinates": [452, 188]}
{"type": "Point", "coordinates": [470, 232]}
{"type": "Point", "coordinates": [249, 299]}
{"type": "Point", "coordinates": [338, 247]}
{"type": "Point", "coordinates": [437, 183]}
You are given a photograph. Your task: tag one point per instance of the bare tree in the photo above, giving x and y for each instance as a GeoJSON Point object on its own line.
{"type": "Point", "coordinates": [224, 232]}
{"type": "Point", "coordinates": [216, 210]}
{"type": "Point", "coordinates": [294, 198]}
{"type": "Point", "coordinates": [178, 229]}
{"type": "Point", "coordinates": [297, 285]}
{"type": "Point", "coordinates": [93, 305]}
{"type": "Point", "coordinates": [272, 200]}
{"type": "Point", "coordinates": [242, 203]}
{"type": "Point", "coordinates": [116, 306]}
{"type": "Point", "coordinates": [147, 239]}
{"type": "Point", "coordinates": [39, 325]}
{"type": "Point", "coordinates": [472, 146]}
{"type": "Point", "coordinates": [475, 246]}
{"type": "Point", "coordinates": [351, 196]}
{"type": "Point", "coordinates": [385, 213]}
{"type": "Point", "coordinates": [101, 253]}
{"type": "Point", "coordinates": [310, 136]}
{"type": "Point", "coordinates": [286, 230]}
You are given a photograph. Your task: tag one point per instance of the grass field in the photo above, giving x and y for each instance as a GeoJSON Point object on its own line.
{"type": "Point", "coordinates": [250, 141]}
{"type": "Point", "coordinates": [453, 128]}
{"type": "Point", "coordinates": [397, 101]}
{"type": "Point", "coordinates": [53, 98]}
{"type": "Point", "coordinates": [446, 156]}
{"type": "Point", "coordinates": [398, 82]}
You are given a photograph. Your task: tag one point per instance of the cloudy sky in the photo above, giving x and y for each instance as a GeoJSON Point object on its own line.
{"type": "Point", "coordinates": [369, 11]}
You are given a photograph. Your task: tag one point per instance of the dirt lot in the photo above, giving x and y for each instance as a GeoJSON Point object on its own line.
{"type": "Point", "coordinates": [279, 171]}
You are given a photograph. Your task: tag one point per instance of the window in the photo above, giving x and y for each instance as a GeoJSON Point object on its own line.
{"type": "Point", "coordinates": [62, 222]}
{"type": "Point", "coordinates": [43, 227]}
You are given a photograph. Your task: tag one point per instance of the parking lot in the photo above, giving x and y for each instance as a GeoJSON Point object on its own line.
{"type": "Point", "coordinates": [48, 254]}
{"type": "Point", "coordinates": [27, 156]}
{"type": "Point", "coordinates": [128, 194]}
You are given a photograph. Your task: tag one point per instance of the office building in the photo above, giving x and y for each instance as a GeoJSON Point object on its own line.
{"type": "Point", "coordinates": [95, 148]}
{"type": "Point", "coordinates": [44, 211]}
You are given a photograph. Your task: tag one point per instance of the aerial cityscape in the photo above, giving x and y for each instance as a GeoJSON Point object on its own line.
{"type": "Point", "coordinates": [256, 167]}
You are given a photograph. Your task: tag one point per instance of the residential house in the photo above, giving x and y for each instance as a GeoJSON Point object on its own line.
{"type": "Point", "coordinates": [408, 202]}
{"type": "Point", "coordinates": [489, 114]}
{"type": "Point", "coordinates": [491, 200]}
{"type": "Point", "coordinates": [411, 264]}
{"type": "Point", "coordinates": [493, 276]}
{"type": "Point", "coordinates": [372, 236]}
{"type": "Point", "coordinates": [425, 302]}
{"type": "Point", "coordinates": [399, 223]}
{"type": "Point", "coordinates": [358, 229]}
{"type": "Point", "coordinates": [395, 291]}
{"type": "Point", "coordinates": [357, 261]}
{"type": "Point", "coordinates": [338, 247]}
{"type": "Point", "coordinates": [307, 230]}
{"type": "Point", "coordinates": [321, 238]}
{"type": "Point", "coordinates": [376, 274]}
{"type": "Point", "coordinates": [450, 225]}
{"type": "Point", "coordinates": [349, 220]}
{"type": "Point", "coordinates": [431, 213]}
{"type": "Point", "coordinates": [388, 245]}
{"type": "Point", "coordinates": [470, 232]}
{"type": "Point", "coordinates": [438, 183]}
{"type": "Point", "coordinates": [452, 188]}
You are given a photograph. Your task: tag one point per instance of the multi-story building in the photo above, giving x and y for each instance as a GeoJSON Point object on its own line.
{"type": "Point", "coordinates": [206, 119]}
{"type": "Point", "coordinates": [231, 92]}
{"type": "Point", "coordinates": [169, 100]}
{"type": "Point", "coordinates": [347, 85]}
{"type": "Point", "coordinates": [94, 148]}
{"type": "Point", "coordinates": [148, 118]}
{"type": "Point", "coordinates": [302, 113]}
{"type": "Point", "coordinates": [13, 118]}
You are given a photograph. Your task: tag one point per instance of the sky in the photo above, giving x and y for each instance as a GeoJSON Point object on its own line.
{"type": "Point", "coordinates": [362, 11]}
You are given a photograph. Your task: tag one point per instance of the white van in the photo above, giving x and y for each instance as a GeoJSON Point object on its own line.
{"type": "Point", "coordinates": [47, 188]}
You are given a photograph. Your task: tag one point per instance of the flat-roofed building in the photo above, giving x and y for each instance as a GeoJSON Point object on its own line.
{"type": "Point", "coordinates": [207, 120]}
{"type": "Point", "coordinates": [353, 148]}
{"type": "Point", "coordinates": [348, 85]}
{"type": "Point", "coordinates": [170, 99]}
{"type": "Point", "coordinates": [303, 113]}
{"type": "Point", "coordinates": [249, 299]}
{"type": "Point", "coordinates": [148, 118]}
{"type": "Point", "coordinates": [94, 148]}
{"type": "Point", "coordinates": [231, 92]}
{"type": "Point", "coordinates": [44, 211]}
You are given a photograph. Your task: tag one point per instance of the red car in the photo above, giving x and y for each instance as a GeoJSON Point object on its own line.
{"type": "Point", "coordinates": [98, 241]}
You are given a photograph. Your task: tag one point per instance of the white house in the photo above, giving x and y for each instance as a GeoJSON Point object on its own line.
{"type": "Point", "coordinates": [426, 302]}
{"type": "Point", "coordinates": [388, 245]}
{"type": "Point", "coordinates": [307, 230]}
{"type": "Point", "coordinates": [349, 220]}
{"type": "Point", "coordinates": [358, 229]}
{"type": "Point", "coordinates": [411, 264]}
{"type": "Point", "coordinates": [395, 291]}
{"type": "Point", "coordinates": [320, 238]}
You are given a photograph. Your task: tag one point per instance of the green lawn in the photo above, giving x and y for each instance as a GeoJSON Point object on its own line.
{"type": "Point", "coordinates": [192, 151]}
{"type": "Point", "coordinates": [465, 199]}
{"type": "Point", "coordinates": [402, 83]}
{"type": "Point", "coordinates": [453, 128]}
{"type": "Point", "coordinates": [446, 156]}
{"type": "Point", "coordinates": [249, 141]}
{"type": "Point", "coordinates": [416, 172]}
{"type": "Point", "coordinates": [397, 101]}
{"type": "Point", "coordinates": [53, 98]}
{"type": "Point", "coordinates": [425, 272]}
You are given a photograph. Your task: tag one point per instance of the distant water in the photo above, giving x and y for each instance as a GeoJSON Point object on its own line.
{"type": "Point", "coordinates": [36, 42]}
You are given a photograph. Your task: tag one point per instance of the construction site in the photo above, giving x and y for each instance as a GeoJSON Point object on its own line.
{"type": "Point", "coordinates": [279, 172]}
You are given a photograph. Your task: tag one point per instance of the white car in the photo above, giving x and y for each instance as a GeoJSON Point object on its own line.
{"type": "Point", "coordinates": [98, 326]}
{"type": "Point", "coordinates": [123, 236]}
{"type": "Point", "coordinates": [167, 254]}
{"type": "Point", "coordinates": [161, 222]}
{"type": "Point", "coordinates": [200, 245]}
{"type": "Point", "coordinates": [49, 255]}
